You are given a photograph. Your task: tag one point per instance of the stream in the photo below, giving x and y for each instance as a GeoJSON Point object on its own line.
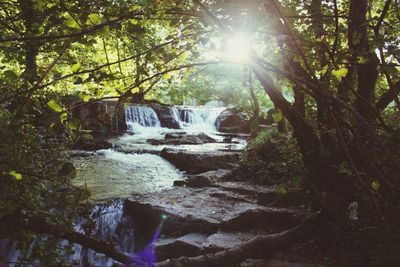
{"type": "Point", "coordinates": [132, 166]}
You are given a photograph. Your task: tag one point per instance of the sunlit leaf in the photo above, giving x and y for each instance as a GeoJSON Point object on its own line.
{"type": "Point", "coordinates": [340, 73]}
{"type": "Point", "coordinates": [277, 116]}
{"type": "Point", "coordinates": [63, 117]}
{"type": "Point", "coordinates": [76, 67]}
{"type": "Point", "coordinates": [71, 22]}
{"type": "Point", "coordinates": [54, 106]}
{"type": "Point", "coordinates": [94, 18]}
{"type": "Point", "coordinates": [73, 124]}
{"type": "Point", "coordinates": [17, 175]}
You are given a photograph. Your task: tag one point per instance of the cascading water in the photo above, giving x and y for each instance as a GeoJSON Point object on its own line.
{"type": "Point", "coordinates": [106, 222]}
{"type": "Point", "coordinates": [142, 116]}
{"type": "Point", "coordinates": [199, 118]}
{"type": "Point", "coordinates": [111, 224]}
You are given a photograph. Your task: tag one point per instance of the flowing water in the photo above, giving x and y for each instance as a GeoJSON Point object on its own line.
{"type": "Point", "coordinates": [131, 167]}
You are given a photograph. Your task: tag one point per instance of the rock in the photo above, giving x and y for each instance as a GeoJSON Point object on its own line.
{"type": "Point", "coordinates": [206, 178]}
{"type": "Point", "coordinates": [195, 162]}
{"type": "Point", "coordinates": [198, 181]}
{"type": "Point", "coordinates": [225, 240]}
{"type": "Point", "coordinates": [91, 145]}
{"type": "Point", "coordinates": [81, 153]}
{"type": "Point", "coordinates": [275, 263]}
{"type": "Point", "coordinates": [189, 245]}
{"type": "Point", "coordinates": [165, 115]}
{"type": "Point", "coordinates": [180, 183]}
{"type": "Point", "coordinates": [175, 135]}
{"type": "Point", "coordinates": [102, 118]}
{"type": "Point", "coordinates": [232, 121]}
{"type": "Point", "coordinates": [195, 244]}
{"type": "Point", "coordinates": [204, 211]}
{"type": "Point", "coordinates": [264, 195]}
{"type": "Point", "coordinates": [182, 139]}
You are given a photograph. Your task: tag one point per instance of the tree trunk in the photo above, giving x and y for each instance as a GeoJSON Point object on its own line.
{"type": "Point", "coordinates": [365, 60]}
{"type": "Point", "coordinates": [31, 46]}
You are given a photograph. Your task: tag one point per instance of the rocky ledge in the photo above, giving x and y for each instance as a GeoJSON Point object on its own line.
{"type": "Point", "coordinates": [219, 216]}
{"type": "Point", "coordinates": [197, 162]}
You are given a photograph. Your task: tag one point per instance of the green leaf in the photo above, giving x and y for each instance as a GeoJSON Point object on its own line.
{"type": "Point", "coordinates": [54, 106]}
{"type": "Point", "coordinates": [10, 75]}
{"type": "Point", "coordinates": [277, 116]}
{"type": "Point", "coordinates": [167, 76]}
{"type": "Point", "coordinates": [76, 67]}
{"type": "Point", "coordinates": [324, 69]}
{"type": "Point", "coordinates": [375, 185]}
{"type": "Point", "coordinates": [73, 124]}
{"type": "Point", "coordinates": [94, 18]}
{"type": "Point", "coordinates": [63, 117]}
{"type": "Point", "coordinates": [340, 73]}
{"type": "Point", "coordinates": [85, 98]}
{"type": "Point", "coordinates": [71, 22]}
{"type": "Point", "coordinates": [16, 175]}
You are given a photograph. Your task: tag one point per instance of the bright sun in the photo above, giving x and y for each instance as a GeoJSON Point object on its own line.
{"type": "Point", "coordinates": [238, 48]}
{"type": "Point", "coordinates": [235, 48]}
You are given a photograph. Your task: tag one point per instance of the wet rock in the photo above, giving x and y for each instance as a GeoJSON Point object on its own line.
{"type": "Point", "coordinates": [225, 240]}
{"type": "Point", "coordinates": [264, 195]}
{"type": "Point", "coordinates": [189, 245]}
{"type": "Point", "coordinates": [81, 153]}
{"type": "Point", "coordinates": [182, 139]}
{"type": "Point", "coordinates": [232, 121]}
{"type": "Point", "coordinates": [165, 115]}
{"type": "Point", "coordinates": [198, 162]}
{"type": "Point", "coordinates": [180, 183]}
{"type": "Point", "coordinates": [198, 181]}
{"type": "Point", "coordinates": [195, 244]}
{"type": "Point", "coordinates": [91, 145]}
{"type": "Point", "coordinates": [204, 211]}
{"type": "Point", "coordinates": [175, 135]}
{"type": "Point", "coordinates": [102, 118]}
{"type": "Point", "coordinates": [275, 263]}
{"type": "Point", "coordinates": [206, 178]}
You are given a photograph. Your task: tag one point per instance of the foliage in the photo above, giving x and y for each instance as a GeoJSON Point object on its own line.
{"type": "Point", "coordinates": [273, 158]}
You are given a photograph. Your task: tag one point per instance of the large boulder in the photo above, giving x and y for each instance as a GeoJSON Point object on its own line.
{"type": "Point", "coordinates": [183, 139]}
{"type": "Point", "coordinates": [195, 162]}
{"type": "Point", "coordinates": [165, 115]}
{"type": "Point", "coordinates": [232, 121]}
{"type": "Point", "coordinates": [102, 118]}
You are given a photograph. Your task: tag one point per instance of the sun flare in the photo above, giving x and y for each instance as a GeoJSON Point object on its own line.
{"type": "Point", "coordinates": [238, 48]}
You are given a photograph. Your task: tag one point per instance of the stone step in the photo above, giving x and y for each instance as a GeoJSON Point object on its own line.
{"type": "Point", "coordinates": [263, 195]}
{"type": "Point", "coordinates": [198, 162]}
{"type": "Point", "coordinates": [195, 244]}
{"type": "Point", "coordinates": [205, 211]}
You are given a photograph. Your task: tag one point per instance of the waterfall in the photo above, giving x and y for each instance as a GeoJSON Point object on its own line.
{"type": "Point", "coordinates": [107, 222]}
{"type": "Point", "coordinates": [199, 118]}
{"type": "Point", "coordinates": [141, 115]}
{"type": "Point", "coordinates": [110, 224]}
{"type": "Point", "coordinates": [143, 119]}
{"type": "Point", "coordinates": [176, 115]}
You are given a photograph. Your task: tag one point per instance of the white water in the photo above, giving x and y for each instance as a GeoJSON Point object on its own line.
{"type": "Point", "coordinates": [141, 115]}
{"type": "Point", "coordinates": [144, 124]}
{"type": "Point", "coordinates": [110, 174]}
